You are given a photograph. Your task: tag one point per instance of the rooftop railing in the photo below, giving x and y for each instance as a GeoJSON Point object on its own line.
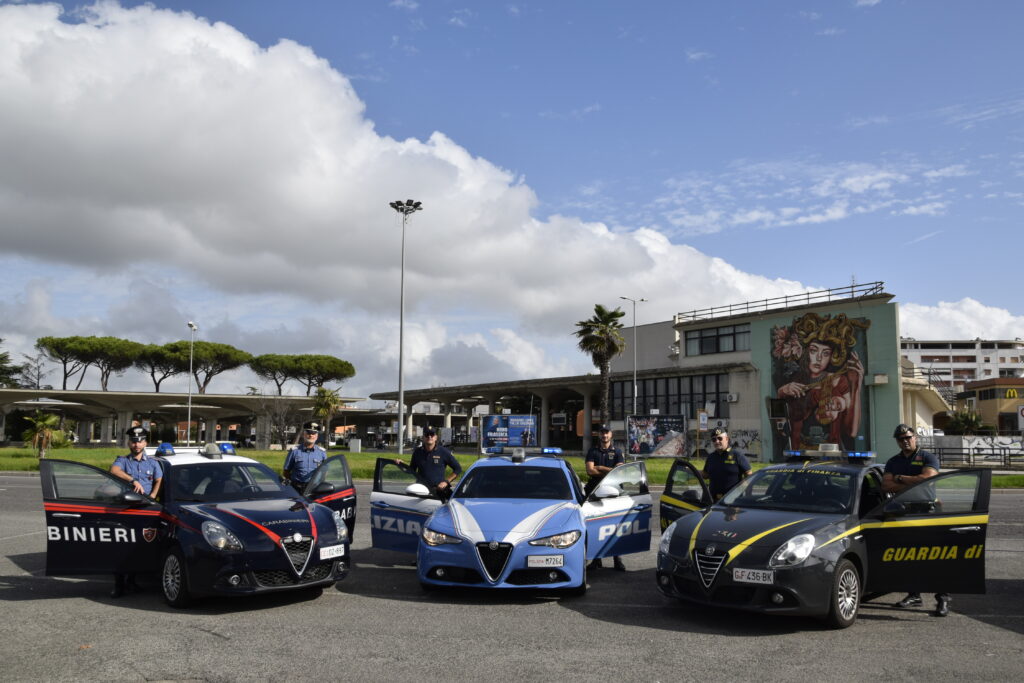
{"type": "Point", "coordinates": [780, 302]}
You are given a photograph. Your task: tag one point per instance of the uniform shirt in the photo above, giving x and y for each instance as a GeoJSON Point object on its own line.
{"type": "Point", "coordinates": [911, 465]}
{"type": "Point", "coordinates": [301, 462]}
{"type": "Point", "coordinates": [146, 470]}
{"type": "Point", "coordinates": [604, 457]}
{"type": "Point", "coordinates": [724, 470]}
{"type": "Point", "coordinates": [431, 464]}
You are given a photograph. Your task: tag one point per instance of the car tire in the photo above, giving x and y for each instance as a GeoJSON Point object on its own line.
{"type": "Point", "coordinates": [580, 590]}
{"type": "Point", "coordinates": [844, 599]}
{"type": "Point", "coordinates": [174, 579]}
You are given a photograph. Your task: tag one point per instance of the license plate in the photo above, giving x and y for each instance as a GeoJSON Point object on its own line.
{"type": "Point", "coordinates": [765, 576]}
{"type": "Point", "coordinates": [545, 560]}
{"type": "Point", "coordinates": [332, 551]}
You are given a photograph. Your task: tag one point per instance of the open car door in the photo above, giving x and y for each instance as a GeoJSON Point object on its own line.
{"type": "Point", "coordinates": [685, 492]}
{"type": "Point", "coordinates": [96, 523]}
{"type": "Point", "coordinates": [931, 537]}
{"type": "Point", "coordinates": [331, 485]}
{"type": "Point", "coordinates": [397, 514]}
{"type": "Point", "coordinates": [620, 523]}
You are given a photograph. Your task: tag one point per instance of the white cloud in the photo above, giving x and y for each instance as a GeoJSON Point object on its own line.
{"type": "Point", "coordinates": [866, 3]}
{"type": "Point", "coordinates": [695, 55]}
{"type": "Point", "coordinates": [831, 31]}
{"type": "Point", "coordinates": [929, 209]}
{"type": "Point", "coordinates": [964, 319]}
{"type": "Point", "coordinates": [404, 4]}
{"type": "Point", "coordinates": [954, 171]}
{"type": "Point", "coordinates": [922, 238]}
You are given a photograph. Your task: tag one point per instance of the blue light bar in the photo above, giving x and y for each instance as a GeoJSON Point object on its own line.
{"type": "Point", "coordinates": [792, 454]}
{"type": "Point", "coordinates": [860, 455]}
{"type": "Point", "coordinates": [551, 449]}
{"type": "Point", "coordinates": [496, 450]}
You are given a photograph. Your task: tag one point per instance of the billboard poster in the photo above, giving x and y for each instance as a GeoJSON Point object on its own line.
{"type": "Point", "coordinates": [657, 435]}
{"type": "Point", "coordinates": [509, 430]}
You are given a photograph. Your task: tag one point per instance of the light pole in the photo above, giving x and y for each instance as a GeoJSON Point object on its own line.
{"type": "Point", "coordinates": [626, 298]}
{"type": "Point", "coordinates": [191, 347]}
{"type": "Point", "coordinates": [406, 208]}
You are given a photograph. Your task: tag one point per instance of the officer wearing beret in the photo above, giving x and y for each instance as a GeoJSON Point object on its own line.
{"type": "Point", "coordinates": [145, 475]}
{"type": "Point", "coordinates": [303, 460]}
{"type": "Point", "coordinates": [144, 472]}
{"type": "Point", "coordinates": [431, 461]}
{"type": "Point", "coordinates": [600, 460]}
{"type": "Point", "coordinates": [910, 466]}
{"type": "Point", "coordinates": [723, 469]}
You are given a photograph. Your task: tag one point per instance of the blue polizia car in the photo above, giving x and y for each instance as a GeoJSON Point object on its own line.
{"type": "Point", "coordinates": [514, 521]}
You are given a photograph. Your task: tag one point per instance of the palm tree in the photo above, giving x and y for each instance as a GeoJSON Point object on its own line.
{"type": "Point", "coordinates": [43, 428]}
{"type": "Point", "coordinates": [601, 337]}
{"type": "Point", "coordinates": [325, 404]}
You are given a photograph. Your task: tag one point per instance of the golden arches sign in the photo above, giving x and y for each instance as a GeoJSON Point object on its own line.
{"type": "Point", "coordinates": [1011, 393]}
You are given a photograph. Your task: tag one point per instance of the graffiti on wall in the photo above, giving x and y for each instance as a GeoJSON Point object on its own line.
{"type": "Point", "coordinates": [818, 370]}
{"type": "Point", "coordinates": [744, 441]}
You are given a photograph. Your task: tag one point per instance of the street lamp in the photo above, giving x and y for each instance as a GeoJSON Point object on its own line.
{"type": "Point", "coordinates": [626, 298]}
{"type": "Point", "coordinates": [406, 208]}
{"type": "Point", "coordinates": [191, 347]}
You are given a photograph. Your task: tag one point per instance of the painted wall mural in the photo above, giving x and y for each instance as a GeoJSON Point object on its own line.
{"type": "Point", "coordinates": [818, 370]}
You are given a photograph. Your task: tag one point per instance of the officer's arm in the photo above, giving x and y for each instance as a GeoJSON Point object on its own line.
{"type": "Point", "coordinates": [156, 487]}
{"type": "Point", "coordinates": [121, 474]}
{"type": "Point", "coordinates": [889, 483]}
{"type": "Point", "coordinates": [911, 479]}
{"type": "Point", "coordinates": [592, 469]}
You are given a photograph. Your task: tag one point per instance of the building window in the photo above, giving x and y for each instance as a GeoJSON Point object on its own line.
{"type": "Point", "coordinates": [934, 359]}
{"type": "Point", "coordinates": [672, 396]}
{"type": "Point", "coordinates": [718, 340]}
{"type": "Point", "coordinates": [965, 359]}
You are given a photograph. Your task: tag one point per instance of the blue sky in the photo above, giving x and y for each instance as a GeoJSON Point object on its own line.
{"type": "Point", "coordinates": [232, 162]}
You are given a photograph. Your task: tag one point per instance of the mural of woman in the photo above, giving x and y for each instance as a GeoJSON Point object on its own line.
{"type": "Point", "coordinates": [820, 377]}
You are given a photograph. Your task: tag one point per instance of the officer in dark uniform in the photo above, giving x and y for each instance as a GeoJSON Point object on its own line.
{"type": "Point", "coordinates": [602, 459]}
{"type": "Point", "coordinates": [723, 468]}
{"type": "Point", "coordinates": [431, 461]}
{"type": "Point", "coordinates": [303, 460]}
{"type": "Point", "coordinates": [145, 475]}
{"type": "Point", "coordinates": [910, 466]}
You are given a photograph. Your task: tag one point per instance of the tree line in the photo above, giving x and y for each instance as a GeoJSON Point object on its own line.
{"type": "Point", "coordinates": [113, 356]}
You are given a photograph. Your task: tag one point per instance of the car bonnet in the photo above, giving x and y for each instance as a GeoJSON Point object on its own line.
{"type": "Point", "coordinates": [738, 528]}
{"type": "Point", "coordinates": [276, 517]}
{"type": "Point", "coordinates": [510, 521]}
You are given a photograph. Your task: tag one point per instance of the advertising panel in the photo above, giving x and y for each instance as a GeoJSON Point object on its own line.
{"type": "Point", "coordinates": [657, 435]}
{"type": "Point", "coordinates": [509, 430]}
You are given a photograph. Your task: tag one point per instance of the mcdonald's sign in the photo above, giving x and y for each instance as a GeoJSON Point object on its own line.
{"type": "Point", "coordinates": [1011, 393]}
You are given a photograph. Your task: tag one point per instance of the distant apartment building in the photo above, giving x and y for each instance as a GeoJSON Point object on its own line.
{"type": "Point", "coordinates": [958, 361]}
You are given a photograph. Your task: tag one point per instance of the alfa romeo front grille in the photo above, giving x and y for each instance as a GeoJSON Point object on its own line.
{"type": "Point", "coordinates": [275, 578]}
{"type": "Point", "coordinates": [298, 551]}
{"type": "Point", "coordinates": [494, 558]}
{"type": "Point", "coordinates": [707, 566]}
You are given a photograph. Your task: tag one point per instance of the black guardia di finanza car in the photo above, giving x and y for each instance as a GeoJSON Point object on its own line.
{"type": "Point", "coordinates": [816, 537]}
{"type": "Point", "coordinates": [223, 525]}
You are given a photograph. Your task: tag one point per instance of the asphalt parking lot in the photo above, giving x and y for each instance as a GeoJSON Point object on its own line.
{"type": "Point", "coordinates": [378, 625]}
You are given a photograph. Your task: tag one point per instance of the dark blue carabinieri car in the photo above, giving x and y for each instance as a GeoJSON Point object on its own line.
{"type": "Point", "coordinates": [223, 525]}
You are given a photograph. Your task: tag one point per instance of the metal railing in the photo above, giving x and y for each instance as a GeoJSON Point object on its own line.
{"type": "Point", "coordinates": [820, 296]}
{"type": "Point", "coordinates": [996, 458]}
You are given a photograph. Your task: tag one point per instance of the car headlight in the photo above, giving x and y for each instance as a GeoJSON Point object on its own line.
{"type": "Point", "coordinates": [666, 538]}
{"type": "Point", "coordinates": [794, 551]}
{"type": "Point", "coordinates": [218, 536]}
{"type": "Point", "coordinates": [558, 540]}
{"type": "Point", "coordinates": [341, 527]}
{"type": "Point", "coordinates": [437, 538]}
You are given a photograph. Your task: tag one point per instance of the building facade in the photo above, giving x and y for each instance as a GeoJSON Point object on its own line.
{"type": "Point", "coordinates": [959, 361]}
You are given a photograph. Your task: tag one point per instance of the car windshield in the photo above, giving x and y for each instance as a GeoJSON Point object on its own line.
{"type": "Point", "coordinates": [224, 481]}
{"type": "Point", "coordinates": [804, 489]}
{"type": "Point", "coordinates": [516, 481]}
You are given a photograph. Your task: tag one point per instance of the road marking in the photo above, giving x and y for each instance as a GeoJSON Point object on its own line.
{"type": "Point", "coordinates": [8, 538]}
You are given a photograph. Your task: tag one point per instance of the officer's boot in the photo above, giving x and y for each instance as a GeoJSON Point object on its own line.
{"type": "Point", "coordinates": [912, 600]}
{"type": "Point", "coordinates": [118, 589]}
{"type": "Point", "coordinates": [942, 605]}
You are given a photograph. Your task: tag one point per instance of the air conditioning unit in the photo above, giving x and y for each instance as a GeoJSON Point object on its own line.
{"type": "Point", "coordinates": [732, 398]}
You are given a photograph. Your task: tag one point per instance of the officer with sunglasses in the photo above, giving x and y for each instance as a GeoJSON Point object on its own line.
{"type": "Point", "coordinates": [910, 466]}
{"type": "Point", "coordinates": [723, 468]}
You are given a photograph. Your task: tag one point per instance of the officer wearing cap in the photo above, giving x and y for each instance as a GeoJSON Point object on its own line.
{"type": "Point", "coordinates": [303, 460]}
{"type": "Point", "coordinates": [145, 475]}
{"type": "Point", "coordinates": [142, 471]}
{"type": "Point", "coordinates": [723, 468]}
{"type": "Point", "coordinates": [910, 466]}
{"type": "Point", "coordinates": [431, 461]}
{"type": "Point", "coordinates": [602, 459]}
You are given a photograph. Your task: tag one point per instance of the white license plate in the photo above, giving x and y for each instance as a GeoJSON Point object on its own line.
{"type": "Point", "coordinates": [545, 560]}
{"type": "Point", "coordinates": [765, 576]}
{"type": "Point", "coordinates": [332, 551]}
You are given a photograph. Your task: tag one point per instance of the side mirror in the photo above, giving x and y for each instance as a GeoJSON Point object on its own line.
{"type": "Point", "coordinates": [133, 498]}
{"type": "Point", "coordinates": [691, 496]}
{"type": "Point", "coordinates": [322, 488]}
{"type": "Point", "coordinates": [606, 491]}
{"type": "Point", "coordinates": [417, 489]}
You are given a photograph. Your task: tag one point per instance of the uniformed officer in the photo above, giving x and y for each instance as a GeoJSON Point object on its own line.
{"type": "Point", "coordinates": [723, 468]}
{"type": "Point", "coordinates": [145, 475]}
{"type": "Point", "coordinates": [602, 459]}
{"type": "Point", "coordinates": [910, 466]}
{"type": "Point", "coordinates": [144, 472]}
{"type": "Point", "coordinates": [303, 460]}
{"type": "Point", "coordinates": [431, 461]}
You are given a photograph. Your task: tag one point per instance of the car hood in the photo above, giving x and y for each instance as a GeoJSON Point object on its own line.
{"type": "Point", "coordinates": [727, 528]}
{"type": "Point", "coordinates": [275, 517]}
{"type": "Point", "coordinates": [504, 520]}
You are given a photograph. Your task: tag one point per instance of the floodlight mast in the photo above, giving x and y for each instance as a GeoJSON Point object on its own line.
{"type": "Point", "coordinates": [406, 208]}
